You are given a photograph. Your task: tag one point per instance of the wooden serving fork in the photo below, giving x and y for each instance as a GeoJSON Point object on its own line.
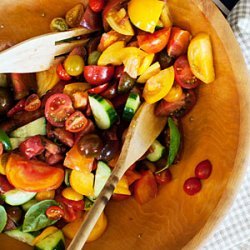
{"type": "Point", "coordinates": [38, 53]}
{"type": "Point", "coordinates": [143, 130]}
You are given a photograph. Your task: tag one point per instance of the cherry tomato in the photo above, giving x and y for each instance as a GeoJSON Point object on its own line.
{"type": "Point", "coordinates": [99, 89]}
{"type": "Point", "coordinates": [192, 186]}
{"type": "Point", "coordinates": [118, 71]}
{"type": "Point", "coordinates": [178, 42]}
{"type": "Point", "coordinates": [32, 103]}
{"type": "Point", "coordinates": [32, 175]}
{"type": "Point", "coordinates": [97, 5]}
{"type": "Point", "coordinates": [61, 72]}
{"type": "Point", "coordinates": [76, 122]}
{"type": "Point", "coordinates": [183, 74]}
{"type": "Point", "coordinates": [18, 107]}
{"type": "Point", "coordinates": [80, 100]}
{"type": "Point", "coordinates": [54, 212]}
{"type": "Point", "coordinates": [203, 169]}
{"type": "Point", "coordinates": [58, 108]}
{"type": "Point", "coordinates": [74, 65]}
{"type": "Point", "coordinates": [163, 177]}
{"type": "Point", "coordinates": [5, 186]}
{"type": "Point", "coordinates": [98, 74]}
{"type": "Point", "coordinates": [154, 43]}
{"type": "Point", "coordinates": [110, 92]}
{"type": "Point", "coordinates": [91, 20]}
{"type": "Point", "coordinates": [175, 94]}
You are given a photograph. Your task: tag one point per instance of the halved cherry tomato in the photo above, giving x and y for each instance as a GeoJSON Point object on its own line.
{"type": "Point", "coordinates": [98, 74]}
{"type": "Point", "coordinates": [32, 175]}
{"type": "Point", "coordinates": [163, 177]}
{"type": "Point", "coordinates": [99, 89]}
{"type": "Point", "coordinates": [80, 100]}
{"type": "Point", "coordinates": [76, 122]}
{"type": "Point", "coordinates": [58, 108]}
{"type": "Point", "coordinates": [97, 5]}
{"type": "Point", "coordinates": [18, 107]}
{"type": "Point", "coordinates": [5, 186]}
{"type": "Point", "coordinates": [158, 85]}
{"type": "Point", "coordinates": [175, 94]}
{"type": "Point", "coordinates": [54, 213]}
{"type": "Point", "coordinates": [183, 74]}
{"type": "Point", "coordinates": [61, 72]}
{"type": "Point", "coordinates": [91, 20]}
{"type": "Point", "coordinates": [74, 65]}
{"type": "Point", "coordinates": [154, 43]}
{"type": "Point", "coordinates": [178, 42]}
{"type": "Point", "coordinates": [32, 103]}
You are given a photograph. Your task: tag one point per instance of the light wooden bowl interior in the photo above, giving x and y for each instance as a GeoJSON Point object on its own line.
{"type": "Point", "coordinates": [217, 129]}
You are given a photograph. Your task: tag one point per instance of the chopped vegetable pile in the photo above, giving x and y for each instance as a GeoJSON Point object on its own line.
{"type": "Point", "coordinates": [61, 130]}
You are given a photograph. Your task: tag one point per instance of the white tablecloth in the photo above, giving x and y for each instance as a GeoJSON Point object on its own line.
{"type": "Point", "coordinates": [234, 231]}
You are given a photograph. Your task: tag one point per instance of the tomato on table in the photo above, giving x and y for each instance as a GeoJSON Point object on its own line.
{"type": "Point", "coordinates": [32, 103]}
{"type": "Point", "coordinates": [97, 75]}
{"type": "Point", "coordinates": [178, 42]}
{"type": "Point", "coordinates": [32, 175]}
{"type": "Point", "coordinates": [183, 74]}
{"type": "Point", "coordinates": [154, 43]}
{"type": "Point", "coordinates": [76, 122]}
{"type": "Point", "coordinates": [58, 108]}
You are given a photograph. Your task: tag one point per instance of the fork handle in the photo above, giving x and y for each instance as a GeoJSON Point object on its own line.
{"type": "Point", "coordinates": [95, 212]}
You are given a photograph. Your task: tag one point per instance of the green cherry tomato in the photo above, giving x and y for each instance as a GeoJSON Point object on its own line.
{"type": "Point", "coordinates": [74, 65]}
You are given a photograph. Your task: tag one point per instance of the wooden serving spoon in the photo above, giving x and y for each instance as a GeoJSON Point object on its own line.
{"type": "Point", "coordinates": [143, 130]}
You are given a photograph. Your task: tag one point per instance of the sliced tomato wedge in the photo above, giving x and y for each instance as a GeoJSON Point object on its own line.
{"type": "Point", "coordinates": [61, 72]}
{"type": "Point", "coordinates": [154, 43]}
{"type": "Point", "coordinates": [32, 103]}
{"type": "Point", "coordinates": [99, 89]}
{"type": "Point", "coordinates": [178, 42]}
{"type": "Point", "coordinates": [183, 74]}
{"type": "Point", "coordinates": [32, 175]}
{"type": "Point", "coordinates": [58, 108]}
{"type": "Point", "coordinates": [76, 122]}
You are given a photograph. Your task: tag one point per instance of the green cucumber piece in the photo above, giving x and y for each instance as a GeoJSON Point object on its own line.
{"type": "Point", "coordinates": [88, 203]}
{"type": "Point", "coordinates": [15, 142]}
{"type": "Point", "coordinates": [157, 151]}
{"type": "Point", "coordinates": [54, 241]}
{"type": "Point", "coordinates": [103, 172]}
{"type": "Point", "coordinates": [3, 220]}
{"type": "Point", "coordinates": [5, 140]}
{"type": "Point", "coordinates": [17, 197]}
{"type": "Point", "coordinates": [66, 177]}
{"type": "Point", "coordinates": [103, 111]}
{"type": "Point", "coordinates": [26, 206]}
{"type": "Point", "coordinates": [21, 236]}
{"type": "Point", "coordinates": [132, 104]}
{"type": "Point", "coordinates": [36, 127]}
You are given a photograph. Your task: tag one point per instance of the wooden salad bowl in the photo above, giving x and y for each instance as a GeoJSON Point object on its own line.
{"type": "Point", "coordinates": [217, 129]}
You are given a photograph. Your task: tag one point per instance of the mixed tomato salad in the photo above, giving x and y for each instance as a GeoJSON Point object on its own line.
{"type": "Point", "coordinates": [61, 130]}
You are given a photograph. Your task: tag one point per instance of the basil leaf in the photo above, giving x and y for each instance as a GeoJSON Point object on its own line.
{"type": "Point", "coordinates": [35, 218]}
{"type": "Point", "coordinates": [3, 218]}
{"type": "Point", "coordinates": [175, 140]}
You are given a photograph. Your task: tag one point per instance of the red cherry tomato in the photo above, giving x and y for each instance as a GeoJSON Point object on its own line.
{"type": "Point", "coordinates": [32, 103]}
{"type": "Point", "coordinates": [5, 186]}
{"type": "Point", "coordinates": [54, 212]}
{"type": "Point", "coordinates": [118, 71]}
{"type": "Point", "coordinates": [178, 42]}
{"type": "Point", "coordinates": [18, 107]}
{"type": "Point", "coordinates": [61, 72]}
{"type": "Point", "coordinates": [97, 75]}
{"type": "Point", "coordinates": [154, 43]}
{"type": "Point", "coordinates": [76, 122]}
{"type": "Point", "coordinates": [183, 74]}
{"type": "Point", "coordinates": [163, 177]}
{"type": "Point", "coordinates": [203, 169]}
{"type": "Point", "coordinates": [96, 5]}
{"type": "Point", "coordinates": [192, 186]}
{"type": "Point", "coordinates": [99, 89]}
{"type": "Point", "coordinates": [58, 108]}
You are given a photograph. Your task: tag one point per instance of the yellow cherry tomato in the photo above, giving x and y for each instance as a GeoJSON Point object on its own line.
{"type": "Point", "coordinates": [122, 187]}
{"type": "Point", "coordinates": [119, 21]}
{"type": "Point", "coordinates": [159, 85]}
{"type": "Point", "coordinates": [45, 195]}
{"type": "Point", "coordinates": [151, 71]}
{"type": "Point", "coordinates": [3, 162]}
{"type": "Point", "coordinates": [145, 14]}
{"type": "Point", "coordinates": [146, 62]}
{"type": "Point", "coordinates": [70, 194]}
{"type": "Point", "coordinates": [200, 58]}
{"type": "Point", "coordinates": [166, 18]}
{"type": "Point", "coordinates": [174, 94]}
{"type": "Point", "coordinates": [74, 65]}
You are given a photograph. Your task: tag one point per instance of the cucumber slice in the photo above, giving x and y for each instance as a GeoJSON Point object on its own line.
{"type": "Point", "coordinates": [17, 197]}
{"type": "Point", "coordinates": [21, 236]}
{"type": "Point", "coordinates": [103, 172]}
{"type": "Point", "coordinates": [104, 113]}
{"type": "Point", "coordinates": [158, 151]}
{"type": "Point", "coordinates": [15, 142]}
{"type": "Point", "coordinates": [37, 127]}
{"type": "Point", "coordinates": [3, 220]}
{"type": "Point", "coordinates": [54, 241]}
{"type": "Point", "coordinates": [131, 106]}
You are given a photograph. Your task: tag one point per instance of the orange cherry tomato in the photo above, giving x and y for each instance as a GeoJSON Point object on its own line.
{"type": "Point", "coordinates": [154, 43]}
{"type": "Point", "coordinates": [32, 175]}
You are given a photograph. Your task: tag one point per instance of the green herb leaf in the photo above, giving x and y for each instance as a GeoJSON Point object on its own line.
{"type": "Point", "coordinates": [3, 220]}
{"type": "Point", "coordinates": [36, 219]}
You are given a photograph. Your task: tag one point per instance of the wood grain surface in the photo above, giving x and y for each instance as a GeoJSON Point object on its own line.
{"type": "Point", "coordinates": [217, 129]}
